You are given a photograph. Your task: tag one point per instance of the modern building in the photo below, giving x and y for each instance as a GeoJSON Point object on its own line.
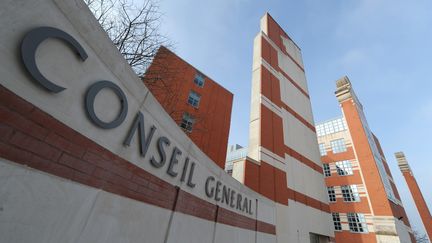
{"type": "Point", "coordinates": [283, 161]}
{"type": "Point", "coordinates": [416, 193]}
{"type": "Point", "coordinates": [364, 201]}
{"type": "Point", "coordinates": [235, 153]}
{"type": "Point", "coordinates": [200, 106]}
{"type": "Point", "coordinates": [88, 153]}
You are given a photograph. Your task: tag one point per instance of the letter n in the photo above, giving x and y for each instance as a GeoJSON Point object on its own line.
{"type": "Point", "coordinates": [144, 142]}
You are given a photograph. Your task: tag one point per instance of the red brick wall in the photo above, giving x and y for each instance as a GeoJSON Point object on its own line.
{"type": "Point", "coordinates": [420, 202]}
{"type": "Point", "coordinates": [372, 179]}
{"type": "Point", "coordinates": [170, 80]}
{"type": "Point", "coordinates": [347, 237]}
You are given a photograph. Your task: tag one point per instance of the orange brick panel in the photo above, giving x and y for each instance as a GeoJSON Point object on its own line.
{"type": "Point", "coordinates": [348, 207]}
{"type": "Point", "coordinates": [267, 181]}
{"type": "Point", "coordinates": [346, 236]}
{"type": "Point", "coordinates": [252, 176]}
{"type": "Point", "coordinates": [337, 180]}
{"type": "Point", "coordinates": [281, 189]}
{"type": "Point", "coordinates": [267, 128]}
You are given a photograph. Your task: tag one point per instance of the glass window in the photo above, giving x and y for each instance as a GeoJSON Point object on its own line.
{"type": "Point", "coordinates": [357, 222]}
{"type": "Point", "coordinates": [187, 122]}
{"type": "Point", "coordinates": [322, 149]}
{"type": "Point", "coordinates": [327, 171]}
{"type": "Point", "coordinates": [344, 167]}
{"type": "Point", "coordinates": [338, 146]}
{"type": "Point", "coordinates": [337, 221]}
{"type": "Point", "coordinates": [194, 98]}
{"type": "Point", "coordinates": [199, 79]}
{"type": "Point", "coordinates": [331, 194]}
{"type": "Point", "coordinates": [330, 127]}
{"type": "Point", "coordinates": [350, 193]}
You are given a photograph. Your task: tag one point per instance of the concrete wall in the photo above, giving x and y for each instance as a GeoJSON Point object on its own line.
{"type": "Point", "coordinates": [52, 190]}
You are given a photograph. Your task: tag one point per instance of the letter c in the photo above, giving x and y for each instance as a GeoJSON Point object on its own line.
{"type": "Point", "coordinates": [31, 42]}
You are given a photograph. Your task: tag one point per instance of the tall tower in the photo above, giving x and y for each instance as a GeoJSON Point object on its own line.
{"type": "Point", "coordinates": [364, 200]}
{"type": "Point", "coordinates": [415, 192]}
{"type": "Point", "coordinates": [283, 161]}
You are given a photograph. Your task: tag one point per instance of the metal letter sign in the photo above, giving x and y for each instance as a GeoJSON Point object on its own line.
{"type": "Point", "coordinates": [89, 104]}
{"type": "Point", "coordinates": [31, 42]}
{"type": "Point", "coordinates": [29, 45]}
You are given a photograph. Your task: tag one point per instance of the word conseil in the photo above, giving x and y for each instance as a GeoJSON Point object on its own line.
{"type": "Point", "coordinates": [214, 189]}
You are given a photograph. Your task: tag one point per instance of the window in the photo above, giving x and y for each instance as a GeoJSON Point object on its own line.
{"type": "Point", "coordinates": [350, 193]}
{"type": "Point", "coordinates": [337, 222]}
{"type": "Point", "coordinates": [331, 194]}
{"type": "Point", "coordinates": [357, 222]}
{"type": "Point", "coordinates": [338, 146]}
{"type": "Point", "coordinates": [199, 79]}
{"type": "Point", "coordinates": [194, 98]}
{"type": "Point", "coordinates": [344, 167]}
{"type": "Point", "coordinates": [327, 171]}
{"type": "Point", "coordinates": [322, 149]}
{"type": "Point", "coordinates": [329, 127]}
{"type": "Point", "coordinates": [187, 122]}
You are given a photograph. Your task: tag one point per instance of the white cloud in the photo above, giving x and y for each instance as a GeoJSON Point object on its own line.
{"type": "Point", "coordinates": [352, 58]}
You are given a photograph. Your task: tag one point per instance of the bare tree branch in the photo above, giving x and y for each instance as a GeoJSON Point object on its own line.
{"type": "Point", "coordinates": [420, 238]}
{"type": "Point", "coordinates": [133, 29]}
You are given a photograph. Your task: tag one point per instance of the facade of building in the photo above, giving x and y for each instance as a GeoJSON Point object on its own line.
{"type": "Point", "coordinates": [87, 153]}
{"type": "Point", "coordinates": [235, 153]}
{"type": "Point", "coordinates": [416, 193]}
{"type": "Point", "coordinates": [200, 106]}
{"type": "Point", "coordinates": [364, 200]}
{"type": "Point", "coordinates": [283, 161]}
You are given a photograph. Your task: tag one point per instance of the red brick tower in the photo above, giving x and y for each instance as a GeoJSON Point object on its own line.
{"type": "Point", "coordinates": [415, 192]}
{"type": "Point", "coordinates": [364, 201]}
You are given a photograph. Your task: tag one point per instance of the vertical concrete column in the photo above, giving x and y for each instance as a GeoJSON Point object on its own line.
{"type": "Point", "coordinates": [415, 192]}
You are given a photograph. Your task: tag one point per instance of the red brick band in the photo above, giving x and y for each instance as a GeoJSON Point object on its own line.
{"type": "Point", "coordinates": [272, 138]}
{"type": "Point", "coordinates": [308, 201]}
{"type": "Point", "coordinates": [270, 88]}
{"type": "Point", "coordinates": [269, 54]}
{"type": "Point", "coordinates": [293, 82]}
{"type": "Point", "coordinates": [271, 182]}
{"type": "Point", "coordinates": [31, 137]}
{"type": "Point", "coordinates": [275, 34]}
{"type": "Point", "coordinates": [300, 118]}
{"type": "Point", "coordinates": [291, 152]}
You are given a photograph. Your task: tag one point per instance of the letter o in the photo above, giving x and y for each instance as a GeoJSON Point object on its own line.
{"type": "Point", "coordinates": [93, 90]}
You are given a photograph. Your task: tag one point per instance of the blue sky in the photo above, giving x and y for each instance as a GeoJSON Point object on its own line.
{"type": "Point", "coordinates": [383, 46]}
